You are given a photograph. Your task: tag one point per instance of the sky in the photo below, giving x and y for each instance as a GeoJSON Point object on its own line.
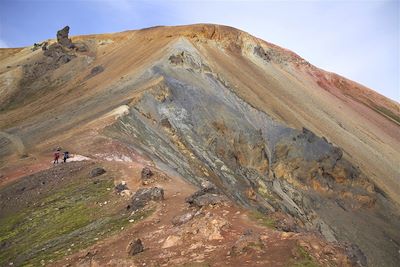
{"type": "Point", "coordinates": [358, 39]}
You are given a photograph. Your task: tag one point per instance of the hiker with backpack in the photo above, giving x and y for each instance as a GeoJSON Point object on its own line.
{"type": "Point", "coordinates": [56, 156]}
{"type": "Point", "coordinates": [66, 156]}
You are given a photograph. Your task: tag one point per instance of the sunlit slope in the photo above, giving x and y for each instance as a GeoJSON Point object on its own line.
{"type": "Point", "coordinates": [363, 123]}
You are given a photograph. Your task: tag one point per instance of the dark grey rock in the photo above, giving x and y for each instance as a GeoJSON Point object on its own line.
{"type": "Point", "coordinates": [207, 188]}
{"type": "Point", "coordinates": [121, 187]}
{"type": "Point", "coordinates": [97, 171]}
{"type": "Point", "coordinates": [259, 51]}
{"type": "Point", "coordinates": [146, 173]}
{"type": "Point", "coordinates": [208, 199]}
{"type": "Point", "coordinates": [176, 59]}
{"type": "Point", "coordinates": [96, 70]}
{"type": "Point", "coordinates": [182, 219]}
{"type": "Point", "coordinates": [62, 37]}
{"type": "Point", "coordinates": [135, 247]}
{"type": "Point", "coordinates": [81, 47]}
{"type": "Point", "coordinates": [356, 256]}
{"type": "Point", "coordinates": [144, 195]}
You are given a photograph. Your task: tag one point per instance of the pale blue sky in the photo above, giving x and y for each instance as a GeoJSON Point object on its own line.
{"type": "Point", "coordinates": [357, 39]}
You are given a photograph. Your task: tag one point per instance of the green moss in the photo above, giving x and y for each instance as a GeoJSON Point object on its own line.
{"type": "Point", "coordinates": [262, 219]}
{"type": "Point", "coordinates": [61, 223]}
{"type": "Point", "coordinates": [303, 259]}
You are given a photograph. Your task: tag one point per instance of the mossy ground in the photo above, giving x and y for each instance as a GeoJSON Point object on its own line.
{"type": "Point", "coordinates": [62, 222]}
{"type": "Point", "coordinates": [262, 219]}
{"type": "Point", "coordinates": [302, 259]}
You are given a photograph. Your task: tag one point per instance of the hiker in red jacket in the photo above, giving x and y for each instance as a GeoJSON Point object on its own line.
{"type": "Point", "coordinates": [56, 156]}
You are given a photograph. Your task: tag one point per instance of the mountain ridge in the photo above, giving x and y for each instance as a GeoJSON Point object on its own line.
{"type": "Point", "coordinates": [212, 103]}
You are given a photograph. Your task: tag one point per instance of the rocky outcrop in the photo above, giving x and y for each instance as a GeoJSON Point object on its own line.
{"type": "Point", "coordinates": [208, 195]}
{"type": "Point", "coordinates": [62, 37]}
{"type": "Point", "coordinates": [143, 196]}
{"type": "Point", "coordinates": [249, 156]}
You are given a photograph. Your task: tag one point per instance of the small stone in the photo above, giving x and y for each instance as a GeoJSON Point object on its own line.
{"type": "Point", "coordinates": [119, 188]}
{"type": "Point", "coordinates": [182, 219]}
{"type": "Point", "coordinates": [146, 173]}
{"type": "Point", "coordinates": [135, 247]}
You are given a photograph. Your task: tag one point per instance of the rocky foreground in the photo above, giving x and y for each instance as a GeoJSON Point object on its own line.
{"type": "Point", "coordinates": [192, 145]}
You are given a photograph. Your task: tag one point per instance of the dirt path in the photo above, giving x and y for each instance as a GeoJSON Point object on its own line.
{"type": "Point", "coordinates": [208, 239]}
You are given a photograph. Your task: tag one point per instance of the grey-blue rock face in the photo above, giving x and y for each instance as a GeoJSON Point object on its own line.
{"type": "Point", "coordinates": [192, 122]}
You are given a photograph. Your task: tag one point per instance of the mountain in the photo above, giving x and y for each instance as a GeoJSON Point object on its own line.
{"type": "Point", "coordinates": [311, 153]}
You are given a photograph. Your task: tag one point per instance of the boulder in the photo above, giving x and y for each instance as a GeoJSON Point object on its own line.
{"type": "Point", "coordinates": [58, 56]}
{"type": "Point", "coordinates": [144, 195]}
{"type": "Point", "coordinates": [207, 199]}
{"type": "Point", "coordinates": [96, 70]}
{"type": "Point", "coordinates": [135, 247]}
{"type": "Point", "coordinates": [121, 187]}
{"type": "Point", "coordinates": [62, 37]}
{"type": "Point", "coordinates": [209, 194]}
{"type": "Point", "coordinates": [259, 51]}
{"type": "Point", "coordinates": [146, 173]}
{"type": "Point", "coordinates": [80, 47]}
{"type": "Point", "coordinates": [182, 219]}
{"type": "Point", "coordinates": [97, 172]}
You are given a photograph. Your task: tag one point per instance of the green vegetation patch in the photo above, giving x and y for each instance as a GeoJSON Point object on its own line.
{"type": "Point", "coordinates": [62, 222]}
{"type": "Point", "coordinates": [302, 259]}
{"type": "Point", "coordinates": [263, 219]}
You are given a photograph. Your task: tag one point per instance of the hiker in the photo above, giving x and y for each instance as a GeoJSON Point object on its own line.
{"type": "Point", "coordinates": [66, 156]}
{"type": "Point", "coordinates": [56, 156]}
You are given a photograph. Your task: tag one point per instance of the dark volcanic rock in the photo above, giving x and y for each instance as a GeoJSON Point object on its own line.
{"type": "Point", "coordinates": [146, 173]}
{"type": "Point", "coordinates": [135, 247]}
{"type": "Point", "coordinates": [97, 171]}
{"type": "Point", "coordinates": [208, 199]}
{"type": "Point", "coordinates": [62, 37]}
{"type": "Point", "coordinates": [182, 219]}
{"type": "Point", "coordinates": [96, 70]}
{"type": "Point", "coordinates": [208, 195]}
{"type": "Point", "coordinates": [58, 55]}
{"type": "Point", "coordinates": [176, 59]}
{"type": "Point", "coordinates": [144, 195]}
{"type": "Point", "coordinates": [355, 255]}
{"type": "Point", "coordinates": [207, 188]}
{"type": "Point", "coordinates": [80, 47]}
{"type": "Point", "coordinates": [121, 187]}
{"type": "Point", "coordinates": [42, 45]}
{"type": "Point", "coordinates": [259, 51]}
